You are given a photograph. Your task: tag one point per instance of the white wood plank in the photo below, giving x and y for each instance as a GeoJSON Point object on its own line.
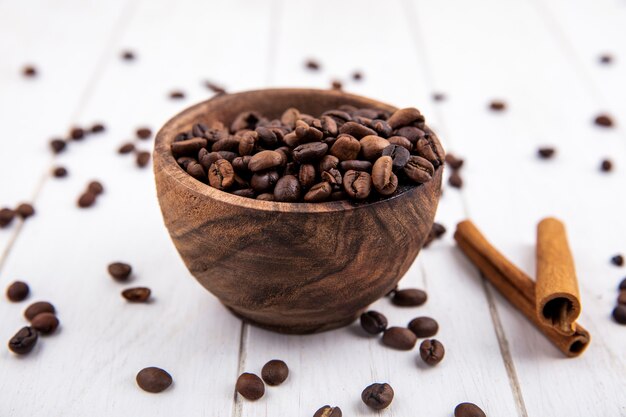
{"type": "Point", "coordinates": [517, 58]}
{"type": "Point", "coordinates": [90, 366]}
{"type": "Point", "coordinates": [334, 367]}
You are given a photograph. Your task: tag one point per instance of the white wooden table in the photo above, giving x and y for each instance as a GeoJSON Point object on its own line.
{"type": "Point", "coordinates": [539, 56]}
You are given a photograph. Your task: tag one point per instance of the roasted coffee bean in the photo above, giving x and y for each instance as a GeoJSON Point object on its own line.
{"type": "Point", "coordinates": [333, 177]}
{"type": "Point", "coordinates": [453, 162]}
{"type": "Point", "coordinates": [377, 396]}
{"type": "Point", "coordinates": [77, 133]}
{"type": "Point", "coordinates": [373, 322]}
{"type": "Point", "coordinates": [37, 308]}
{"type": "Point", "coordinates": [605, 59]}
{"type": "Point", "coordinates": [195, 170]}
{"type": "Point", "coordinates": [401, 141]}
{"type": "Point", "coordinates": [606, 165]}
{"type": "Point", "coordinates": [357, 75]}
{"type": "Point", "coordinates": [307, 175]}
{"type": "Point", "coordinates": [29, 71]}
{"type": "Point", "coordinates": [264, 181]}
{"type": "Point", "coordinates": [424, 327]}
{"type": "Point", "coordinates": [87, 199]}
{"type": "Point", "coordinates": [372, 147]}
{"type": "Point", "coordinates": [23, 341]}
{"type": "Point", "coordinates": [266, 197]}
{"type": "Point", "coordinates": [619, 314]}
{"type": "Point", "coordinates": [431, 351]}
{"type": "Point", "coordinates": [355, 165]}
{"type": "Point", "coordinates": [198, 130]}
{"type": "Point", "coordinates": [328, 162]}
{"type": "Point", "coordinates": [604, 120]}
{"type": "Point", "coordinates": [356, 130]}
{"type": "Point", "coordinates": [142, 159]}
{"type": "Point", "coordinates": [290, 117]}
{"type": "Point", "coordinates": [411, 133]}
{"type": "Point", "coordinates": [245, 192]}
{"type": "Point", "coordinates": [622, 284]}
{"type": "Point", "coordinates": [455, 180]}
{"type": "Point", "coordinates": [328, 126]}
{"type": "Point", "coordinates": [222, 175]}
{"type": "Point", "coordinates": [189, 147]}
{"type": "Point", "coordinates": [97, 128]}
{"type": "Point", "coordinates": [287, 189]}
{"type": "Point", "coordinates": [177, 95]}
{"type": "Point", "coordinates": [312, 64]}
{"type": "Point", "coordinates": [427, 148]}
{"type": "Point", "coordinates": [381, 127]}
{"type": "Point", "coordinates": [25, 210]}
{"type": "Point", "coordinates": [338, 195]}
{"type": "Point", "coordinates": [17, 291]}
{"type": "Point", "coordinates": [306, 133]}
{"type": "Point", "coordinates": [497, 105]}
{"type": "Point", "coordinates": [58, 145]}
{"type": "Point", "coordinates": [240, 164]}
{"type": "Point", "coordinates": [399, 338]}
{"type": "Point", "coordinates": [265, 160]}
{"type": "Point", "coordinates": [285, 153]}
{"type": "Point", "coordinates": [126, 148]}
{"type": "Point", "coordinates": [120, 271]}
{"type": "Point", "coordinates": [45, 323]}
{"type": "Point", "coordinates": [275, 372]}
{"type": "Point", "coordinates": [137, 294]}
{"type": "Point", "coordinates": [436, 232]}
{"type": "Point", "coordinates": [153, 379]}
{"type": "Point", "coordinates": [95, 187]}
{"type": "Point", "coordinates": [309, 152]}
{"type": "Point", "coordinates": [468, 410]}
{"type": "Point", "coordinates": [231, 143]}
{"type": "Point", "coordinates": [250, 386]}
{"type": "Point", "coordinates": [418, 169]}
{"type": "Point", "coordinates": [617, 260]}
{"type": "Point", "coordinates": [59, 172]}
{"type": "Point", "coordinates": [267, 137]}
{"type": "Point", "coordinates": [207, 160]}
{"type": "Point", "coordinates": [399, 155]}
{"type": "Point", "coordinates": [6, 216]}
{"type": "Point", "coordinates": [383, 178]}
{"type": "Point", "coordinates": [144, 133]}
{"type": "Point", "coordinates": [404, 117]}
{"type": "Point", "coordinates": [319, 192]}
{"type": "Point", "coordinates": [621, 298]}
{"type": "Point", "coordinates": [346, 147]}
{"type": "Point", "coordinates": [543, 153]}
{"type": "Point", "coordinates": [409, 297]}
{"type": "Point", "coordinates": [357, 184]}
{"type": "Point", "coordinates": [336, 85]}
{"type": "Point", "coordinates": [328, 411]}
{"type": "Point", "coordinates": [339, 116]}
{"type": "Point", "coordinates": [439, 97]}
{"type": "Point", "coordinates": [128, 55]}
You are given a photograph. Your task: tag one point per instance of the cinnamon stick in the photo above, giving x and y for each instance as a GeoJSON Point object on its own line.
{"type": "Point", "coordinates": [556, 292]}
{"type": "Point", "coordinates": [517, 287]}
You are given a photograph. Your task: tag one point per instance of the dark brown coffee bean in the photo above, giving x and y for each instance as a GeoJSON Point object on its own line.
{"type": "Point", "coordinates": [468, 410]}
{"type": "Point", "coordinates": [240, 164]}
{"type": "Point", "coordinates": [439, 96]}
{"type": "Point", "coordinates": [356, 130]}
{"type": "Point", "coordinates": [436, 232]}
{"type": "Point", "coordinates": [275, 372]}
{"type": "Point", "coordinates": [382, 128]}
{"type": "Point", "coordinates": [208, 159]}
{"type": "Point", "coordinates": [287, 189]}
{"type": "Point", "coordinates": [621, 298]}
{"type": "Point", "coordinates": [198, 130]}
{"type": "Point", "coordinates": [339, 116]}
{"type": "Point", "coordinates": [265, 160]}
{"type": "Point", "coordinates": [333, 177]}
{"type": "Point", "coordinates": [128, 55]}
{"type": "Point", "coordinates": [95, 187]}
{"type": "Point", "coordinates": [189, 147]}
{"type": "Point", "coordinates": [356, 165]}
{"type": "Point", "coordinates": [328, 126]}
{"type": "Point", "coordinates": [222, 175]}
{"type": "Point", "coordinates": [453, 162]}
{"type": "Point", "coordinates": [338, 195]}
{"type": "Point", "coordinates": [405, 117]}
{"type": "Point", "coordinates": [153, 379]}
{"type": "Point", "coordinates": [245, 192]}
{"type": "Point", "coordinates": [604, 120]}
{"type": "Point", "coordinates": [267, 137]}
{"type": "Point", "coordinates": [137, 294]}
{"type": "Point", "coordinates": [195, 170]}
{"type": "Point", "coordinates": [372, 147]}
{"type": "Point", "coordinates": [399, 155]}
{"type": "Point", "coordinates": [177, 95]}
{"type": "Point", "coordinates": [45, 323]}
{"type": "Point", "coordinates": [357, 75]}
{"type": "Point", "coordinates": [424, 327]}
{"type": "Point", "coordinates": [23, 341]}
{"type": "Point", "coordinates": [409, 297]}
{"type": "Point", "coordinates": [264, 181]}
{"type": "Point", "coordinates": [411, 133]}
{"type": "Point", "coordinates": [377, 396]}
{"type": "Point", "coordinates": [544, 152]}
{"type": "Point", "coordinates": [6, 216]}
{"type": "Point", "coordinates": [418, 169]}
{"type": "Point", "coordinates": [58, 145]}
{"type": "Point", "coordinates": [126, 148]}
{"type": "Point", "coordinates": [59, 172]}
{"type": "Point", "coordinates": [605, 59]}
{"type": "Point", "coordinates": [17, 291]}
{"type": "Point", "coordinates": [309, 152]}
{"type": "Point", "coordinates": [77, 133]}
{"type": "Point", "coordinates": [606, 165]}
{"type": "Point", "coordinates": [37, 308]}
{"type": "Point", "coordinates": [336, 85]}
{"type": "Point", "coordinates": [357, 184]}
{"type": "Point", "coordinates": [497, 105]}
{"type": "Point", "coordinates": [87, 199]}
{"type": "Point", "coordinates": [29, 71]}
{"type": "Point", "coordinates": [401, 141]}
{"type": "Point", "coordinates": [455, 180]}
{"type": "Point", "coordinates": [328, 162]}
{"type": "Point", "coordinates": [312, 64]}
{"type": "Point", "coordinates": [346, 147]}
{"type": "Point", "coordinates": [617, 260]}
{"type": "Point", "coordinates": [307, 175]}
{"type": "Point", "coordinates": [328, 411]}
{"type": "Point", "coordinates": [144, 133]}
{"type": "Point", "coordinates": [142, 159]}
{"type": "Point", "coordinates": [383, 178]}
{"type": "Point", "coordinates": [97, 128]}
{"type": "Point", "coordinates": [120, 271]}
{"type": "Point", "coordinates": [25, 210]}
{"type": "Point", "coordinates": [432, 351]}
{"type": "Point", "coordinates": [231, 143]}
{"type": "Point", "coordinates": [399, 338]}
{"type": "Point", "coordinates": [373, 322]}
{"type": "Point", "coordinates": [266, 197]}
{"type": "Point", "coordinates": [622, 284]}
{"type": "Point", "coordinates": [318, 192]}
{"type": "Point", "coordinates": [619, 314]}
{"type": "Point", "coordinates": [250, 386]}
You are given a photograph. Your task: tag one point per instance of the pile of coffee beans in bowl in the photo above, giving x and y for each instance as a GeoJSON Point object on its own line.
{"type": "Point", "coordinates": [346, 153]}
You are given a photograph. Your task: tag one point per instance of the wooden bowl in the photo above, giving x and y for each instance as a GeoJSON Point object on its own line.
{"type": "Point", "coordinates": [289, 267]}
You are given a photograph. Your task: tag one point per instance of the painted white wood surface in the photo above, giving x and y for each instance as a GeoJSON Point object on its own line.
{"type": "Point", "coordinates": [540, 58]}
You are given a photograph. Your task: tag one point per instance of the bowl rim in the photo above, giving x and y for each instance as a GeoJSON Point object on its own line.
{"type": "Point", "coordinates": [165, 163]}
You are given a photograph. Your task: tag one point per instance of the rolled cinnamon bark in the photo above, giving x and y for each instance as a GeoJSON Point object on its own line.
{"type": "Point", "coordinates": [557, 297]}
{"type": "Point", "coordinates": [517, 287]}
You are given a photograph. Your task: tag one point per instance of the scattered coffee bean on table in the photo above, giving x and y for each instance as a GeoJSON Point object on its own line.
{"type": "Point", "coordinates": [455, 180]}
{"type": "Point", "coordinates": [58, 145]}
{"type": "Point", "coordinates": [468, 410]}
{"type": "Point", "coordinates": [546, 152]}
{"type": "Point", "coordinates": [137, 294]}
{"type": "Point", "coordinates": [409, 297]}
{"type": "Point", "coordinates": [603, 120]}
{"type": "Point", "coordinates": [95, 187]}
{"type": "Point", "coordinates": [399, 338]}
{"type": "Point", "coordinates": [25, 210]}
{"type": "Point", "coordinates": [497, 105]}
{"type": "Point", "coordinates": [606, 59]}
{"type": "Point", "coordinates": [128, 55]}
{"type": "Point", "coordinates": [622, 284]}
{"type": "Point", "coordinates": [23, 341]}
{"type": "Point", "coordinates": [453, 161]}
{"type": "Point", "coordinates": [357, 75]}
{"type": "Point", "coordinates": [29, 71]}
{"type": "Point", "coordinates": [142, 159]}
{"type": "Point", "coordinates": [606, 165]}
{"type": "Point", "coordinates": [153, 379]}
{"type": "Point", "coordinates": [275, 372]}
{"type": "Point", "coordinates": [126, 148]}
{"type": "Point", "coordinates": [312, 64]}
{"type": "Point", "coordinates": [97, 128]}
{"type": "Point", "coordinates": [17, 291]}
{"type": "Point", "coordinates": [617, 260]}
{"type": "Point", "coordinates": [619, 313]}
{"type": "Point", "coordinates": [424, 327]}
{"type": "Point", "coordinates": [144, 133]}
{"type": "Point", "coordinates": [59, 172]}
{"type": "Point", "coordinates": [250, 386]}
{"type": "Point", "coordinates": [177, 95]}
{"type": "Point", "coordinates": [120, 271]}
{"type": "Point", "coordinates": [87, 199]}
{"type": "Point", "coordinates": [45, 323]}
{"type": "Point", "coordinates": [37, 308]}
{"type": "Point", "coordinates": [373, 322]}
{"type": "Point", "coordinates": [439, 96]}
{"type": "Point", "coordinates": [377, 396]}
{"type": "Point", "coordinates": [328, 411]}
{"type": "Point", "coordinates": [336, 85]}
{"type": "Point", "coordinates": [436, 232]}
{"type": "Point", "coordinates": [6, 216]}
{"type": "Point", "coordinates": [432, 351]}
{"type": "Point", "coordinates": [77, 133]}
